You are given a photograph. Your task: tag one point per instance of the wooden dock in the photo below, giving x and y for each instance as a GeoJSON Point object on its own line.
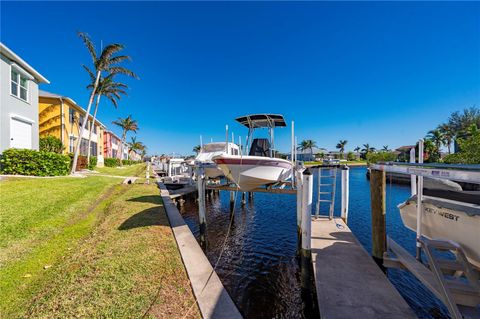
{"type": "Point", "coordinates": [349, 283]}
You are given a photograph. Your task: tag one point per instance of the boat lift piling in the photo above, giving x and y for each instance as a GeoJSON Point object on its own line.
{"type": "Point", "coordinates": [201, 203]}
{"type": "Point", "coordinates": [378, 206]}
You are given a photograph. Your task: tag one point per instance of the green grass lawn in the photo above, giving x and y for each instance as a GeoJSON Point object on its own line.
{"type": "Point", "coordinates": [87, 247]}
{"type": "Point", "coordinates": [130, 170]}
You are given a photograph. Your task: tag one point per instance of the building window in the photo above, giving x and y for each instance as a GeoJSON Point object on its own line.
{"type": "Point", "coordinates": [114, 153]}
{"type": "Point", "coordinates": [93, 148]}
{"type": "Point", "coordinates": [83, 147]}
{"type": "Point", "coordinates": [71, 115]}
{"type": "Point", "coordinates": [71, 147]}
{"type": "Point", "coordinates": [19, 85]}
{"type": "Point", "coordinates": [95, 129]}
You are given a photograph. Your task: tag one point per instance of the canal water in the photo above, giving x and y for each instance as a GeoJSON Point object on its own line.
{"type": "Point", "coordinates": [259, 265]}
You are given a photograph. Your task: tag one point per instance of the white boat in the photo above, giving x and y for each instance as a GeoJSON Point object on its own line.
{"type": "Point", "coordinates": [449, 215]}
{"type": "Point", "coordinates": [208, 151]}
{"type": "Point", "coordinates": [260, 167]}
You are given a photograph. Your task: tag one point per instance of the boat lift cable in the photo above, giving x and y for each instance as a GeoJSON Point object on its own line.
{"type": "Point", "coordinates": [224, 244]}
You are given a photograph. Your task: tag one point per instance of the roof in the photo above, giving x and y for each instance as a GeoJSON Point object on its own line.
{"type": "Point", "coordinates": [42, 93]}
{"type": "Point", "coordinates": [14, 57]}
{"type": "Point", "coordinates": [262, 120]}
{"type": "Point", "coordinates": [406, 147]}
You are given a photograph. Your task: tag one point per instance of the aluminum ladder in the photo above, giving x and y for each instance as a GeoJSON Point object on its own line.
{"type": "Point", "coordinates": [458, 282]}
{"type": "Point", "coordinates": [331, 182]}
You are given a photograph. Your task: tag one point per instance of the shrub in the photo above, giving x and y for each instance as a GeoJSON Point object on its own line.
{"type": "Point", "coordinates": [111, 162]}
{"type": "Point", "coordinates": [351, 156]}
{"type": "Point", "coordinates": [93, 162]}
{"type": "Point", "coordinates": [34, 163]}
{"type": "Point", "coordinates": [51, 144]}
{"type": "Point", "coordinates": [381, 157]}
{"type": "Point", "coordinates": [130, 162]}
{"type": "Point", "coordinates": [469, 149]}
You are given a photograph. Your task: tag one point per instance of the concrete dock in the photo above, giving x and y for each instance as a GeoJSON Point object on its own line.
{"type": "Point", "coordinates": [349, 283]}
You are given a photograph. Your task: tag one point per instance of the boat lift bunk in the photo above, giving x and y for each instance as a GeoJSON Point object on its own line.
{"type": "Point", "coordinates": [454, 281]}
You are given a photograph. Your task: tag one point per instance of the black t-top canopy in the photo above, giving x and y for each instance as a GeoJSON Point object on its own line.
{"type": "Point", "coordinates": [262, 120]}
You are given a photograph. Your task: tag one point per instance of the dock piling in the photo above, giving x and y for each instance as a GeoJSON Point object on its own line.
{"type": "Point", "coordinates": [201, 204]}
{"type": "Point", "coordinates": [345, 193]}
{"type": "Point", "coordinates": [377, 201]}
{"type": "Point", "coordinates": [244, 201]}
{"type": "Point", "coordinates": [307, 192]}
{"type": "Point", "coordinates": [299, 182]}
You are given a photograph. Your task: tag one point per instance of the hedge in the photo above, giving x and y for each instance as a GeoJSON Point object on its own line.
{"type": "Point", "coordinates": [51, 144]}
{"type": "Point", "coordinates": [130, 162]}
{"type": "Point", "coordinates": [111, 162]}
{"type": "Point", "coordinates": [93, 163]}
{"type": "Point", "coordinates": [34, 163]}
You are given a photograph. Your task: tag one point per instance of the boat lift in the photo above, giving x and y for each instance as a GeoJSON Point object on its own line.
{"type": "Point", "coordinates": [455, 282]}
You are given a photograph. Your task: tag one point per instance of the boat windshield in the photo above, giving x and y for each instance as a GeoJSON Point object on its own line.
{"type": "Point", "coordinates": [213, 147]}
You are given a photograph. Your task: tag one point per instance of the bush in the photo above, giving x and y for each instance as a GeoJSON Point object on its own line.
{"type": "Point", "coordinates": [93, 163]}
{"type": "Point", "coordinates": [381, 157]}
{"type": "Point", "coordinates": [351, 156]}
{"type": "Point", "coordinates": [469, 149]}
{"type": "Point", "coordinates": [51, 144]}
{"type": "Point", "coordinates": [129, 162]}
{"type": "Point", "coordinates": [111, 162]}
{"type": "Point", "coordinates": [34, 163]}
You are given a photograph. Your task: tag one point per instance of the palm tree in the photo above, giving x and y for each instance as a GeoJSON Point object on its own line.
{"type": "Point", "coordinates": [356, 149]}
{"type": "Point", "coordinates": [385, 148]}
{"type": "Point", "coordinates": [367, 149]}
{"type": "Point", "coordinates": [128, 125]}
{"type": "Point", "coordinates": [341, 146]}
{"type": "Point", "coordinates": [136, 146]}
{"type": "Point", "coordinates": [108, 62]}
{"type": "Point", "coordinates": [197, 149]}
{"type": "Point", "coordinates": [448, 135]}
{"type": "Point", "coordinates": [111, 90]}
{"type": "Point", "coordinates": [436, 137]}
{"type": "Point", "coordinates": [307, 144]}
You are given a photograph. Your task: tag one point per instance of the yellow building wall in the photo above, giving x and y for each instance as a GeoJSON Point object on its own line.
{"type": "Point", "coordinates": [50, 122]}
{"type": "Point", "coordinates": [49, 117]}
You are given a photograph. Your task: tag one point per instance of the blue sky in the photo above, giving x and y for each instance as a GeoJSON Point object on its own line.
{"type": "Point", "coordinates": [381, 73]}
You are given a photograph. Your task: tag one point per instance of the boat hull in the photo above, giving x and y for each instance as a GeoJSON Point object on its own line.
{"type": "Point", "coordinates": [250, 172]}
{"type": "Point", "coordinates": [447, 219]}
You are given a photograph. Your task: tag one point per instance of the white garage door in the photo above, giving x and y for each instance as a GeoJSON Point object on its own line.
{"type": "Point", "coordinates": [20, 134]}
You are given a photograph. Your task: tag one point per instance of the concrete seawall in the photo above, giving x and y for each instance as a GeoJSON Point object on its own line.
{"type": "Point", "coordinates": [212, 298]}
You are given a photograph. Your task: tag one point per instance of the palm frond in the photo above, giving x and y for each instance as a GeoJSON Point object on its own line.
{"type": "Point", "coordinates": [122, 70]}
{"type": "Point", "coordinates": [89, 44]}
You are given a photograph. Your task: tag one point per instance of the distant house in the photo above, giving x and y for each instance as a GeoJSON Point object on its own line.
{"type": "Point", "coordinates": [18, 101]}
{"type": "Point", "coordinates": [307, 155]}
{"type": "Point", "coordinates": [62, 117]}
{"type": "Point", "coordinates": [111, 145]}
{"type": "Point", "coordinates": [403, 153]}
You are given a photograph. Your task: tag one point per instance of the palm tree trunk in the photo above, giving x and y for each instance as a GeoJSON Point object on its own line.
{"type": "Point", "coordinates": [91, 128]}
{"type": "Point", "coordinates": [77, 147]}
{"type": "Point", "coordinates": [124, 136]}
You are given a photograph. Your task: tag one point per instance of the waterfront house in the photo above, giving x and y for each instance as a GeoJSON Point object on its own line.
{"type": "Point", "coordinates": [18, 101]}
{"type": "Point", "coordinates": [403, 153]}
{"type": "Point", "coordinates": [308, 155]}
{"type": "Point", "coordinates": [61, 117]}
